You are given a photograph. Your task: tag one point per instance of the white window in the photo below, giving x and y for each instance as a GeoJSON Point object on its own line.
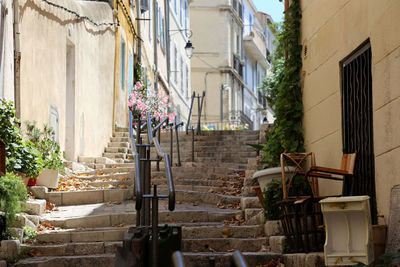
{"type": "Point", "coordinates": [182, 72]}
{"type": "Point", "coordinates": [181, 11]}
{"type": "Point", "coordinates": [122, 64]}
{"type": "Point", "coordinates": [175, 64]}
{"type": "Point", "coordinates": [186, 14]}
{"type": "Point", "coordinates": [187, 81]}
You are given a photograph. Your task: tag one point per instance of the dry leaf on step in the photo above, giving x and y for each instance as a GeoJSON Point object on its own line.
{"type": "Point", "coordinates": [196, 203]}
{"type": "Point", "coordinates": [227, 232]}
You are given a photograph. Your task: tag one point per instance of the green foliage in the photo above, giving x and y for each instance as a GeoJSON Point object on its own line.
{"type": "Point", "coordinates": [29, 234]}
{"type": "Point", "coordinates": [12, 196]}
{"type": "Point", "coordinates": [391, 258]}
{"type": "Point", "coordinates": [44, 141]}
{"type": "Point", "coordinates": [283, 90]}
{"type": "Point", "coordinates": [273, 193]}
{"type": "Point", "coordinates": [21, 156]}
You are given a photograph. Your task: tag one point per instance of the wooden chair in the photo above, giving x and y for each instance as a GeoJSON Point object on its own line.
{"type": "Point", "coordinates": [346, 170]}
{"type": "Point", "coordinates": [296, 161]}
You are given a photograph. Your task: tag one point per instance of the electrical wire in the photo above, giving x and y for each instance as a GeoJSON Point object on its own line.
{"type": "Point", "coordinates": [130, 20]}
{"type": "Point", "coordinates": [79, 16]}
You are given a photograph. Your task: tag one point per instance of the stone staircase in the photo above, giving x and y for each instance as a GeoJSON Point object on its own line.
{"type": "Point", "coordinates": [90, 222]}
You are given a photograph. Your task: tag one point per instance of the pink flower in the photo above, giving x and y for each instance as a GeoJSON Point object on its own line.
{"type": "Point", "coordinates": [138, 85]}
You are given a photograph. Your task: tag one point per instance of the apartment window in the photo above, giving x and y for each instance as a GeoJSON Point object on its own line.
{"type": "Point", "coordinates": [176, 6]}
{"type": "Point", "coordinates": [182, 77]}
{"type": "Point", "coordinates": [175, 64]}
{"type": "Point", "coordinates": [237, 44]}
{"type": "Point", "coordinates": [122, 66]}
{"type": "Point", "coordinates": [251, 22]}
{"type": "Point", "coordinates": [187, 81]}
{"type": "Point", "coordinates": [186, 14]}
{"type": "Point", "coordinates": [149, 22]}
{"type": "Point", "coordinates": [181, 11]}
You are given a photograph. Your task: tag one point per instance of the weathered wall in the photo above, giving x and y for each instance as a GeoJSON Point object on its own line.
{"type": "Point", "coordinates": [45, 34]}
{"type": "Point", "coordinates": [331, 30]}
{"type": "Point", "coordinates": [7, 67]}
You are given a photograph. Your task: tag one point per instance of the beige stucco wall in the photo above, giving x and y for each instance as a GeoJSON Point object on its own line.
{"type": "Point", "coordinates": [331, 30]}
{"type": "Point", "coordinates": [45, 33]}
{"type": "Point", "coordinates": [7, 67]}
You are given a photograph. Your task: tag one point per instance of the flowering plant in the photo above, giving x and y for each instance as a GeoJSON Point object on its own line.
{"type": "Point", "coordinates": [142, 101]}
{"type": "Point", "coordinates": [235, 126]}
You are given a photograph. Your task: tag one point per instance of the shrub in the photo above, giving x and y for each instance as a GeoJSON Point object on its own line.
{"type": "Point", "coordinates": [13, 195]}
{"type": "Point", "coordinates": [21, 156]}
{"type": "Point", "coordinates": [45, 142]}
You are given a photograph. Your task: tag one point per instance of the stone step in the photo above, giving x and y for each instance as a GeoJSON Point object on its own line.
{"type": "Point", "coordinates": [121, 134]}
{"type": "Point", "coordinates": [196, 182]}
{"type": "Point", "coordinates": [217, 155]}
{"type": "Point", "coordinates": [119, 165]}
{"type": "Point", "coordinates": [201, 259]}
{"type": "Point", "coordinates": [116, 149]}
{"type": "Point", "coordinates": [115, 155]}
{"type": "Point", "coordinates": [121, 129]}
{"type": "Point", "coordinates": [119, 139]}
{"type": "Point", "coordinates": [223, 244]}
{"type": "Point", "coordinates": [205, 197]}
{"type": "Point", "coordinates": [114, 169]}
{"type": "Point", "coordinates": [103, 260]}
{"type": "Point", "coordinates": [64, 198]}
{"type": "Point", "coordinates": [222, 231]}
{"type": "Point", "coordinates": [118, 144]}
{"type": "Point", "coordinates": [102, 215]}
{"type": "Point", "coordinates": [108, 234]}
{"type": "Point", "coordinates": [72, 249]}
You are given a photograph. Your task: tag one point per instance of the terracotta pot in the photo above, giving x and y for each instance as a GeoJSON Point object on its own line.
{"type": "Point", "coordinates": [32, 182]}
{"type": "Point", "coordinates": [379, 236]}
{"type": "Point", "coordinates": [259, 195]}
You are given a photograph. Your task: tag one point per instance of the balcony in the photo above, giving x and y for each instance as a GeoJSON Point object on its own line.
{"type": "Point", "coordinates": [255, 46]}
{"type": "Point", "coordinates": [239, 117]}
{"type": "Point", "coordinates": [238, 65]}
{"type": "Point", "coordinates": [237, 6]}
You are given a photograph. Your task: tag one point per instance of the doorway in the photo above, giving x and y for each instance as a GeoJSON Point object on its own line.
{"type": "Point", "coordinates": [357, 123]}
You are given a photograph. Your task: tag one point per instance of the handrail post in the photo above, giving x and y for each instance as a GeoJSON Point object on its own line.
{"type": "Point", "coordinates": [171, 144]}
{"type": "Point", "coordinates": [159, 141]}
{"type": "Point", "coordinates": [177, 143]}
{"type": "Point", "coordinates": [190, 113]}
{"type": "Point", "coordinates": [192, 144]}
{"type": "Point", "coordinates": [200, 105]}
{"type": "Point", "coordinates": [155, 226]}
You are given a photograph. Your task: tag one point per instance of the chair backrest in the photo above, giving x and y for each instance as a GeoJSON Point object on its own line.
{"type": "Point", "coordinates": [348, 162]}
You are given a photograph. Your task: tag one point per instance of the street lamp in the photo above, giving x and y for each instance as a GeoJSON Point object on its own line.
{"type": "Point", "coordinates": [189, 48]}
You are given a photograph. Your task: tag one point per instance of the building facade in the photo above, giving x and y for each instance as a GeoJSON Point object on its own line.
{"type": "Point", "coordinates": [66, 71]}
{"type": "Point", "coordinates": [351, 59]}
{"type": "Point", "coordinates": [217, 64]}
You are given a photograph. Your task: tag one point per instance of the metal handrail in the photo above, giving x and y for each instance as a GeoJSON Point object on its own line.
{"type": "Point", "coordinates": [160, 153]}
{"type": "Point", "coordinates": [190, 112]}
{"type": "Point", "coordinates": [138, 189]}
{"type": "Point", "coordinates": [238, 259]}
{"type": "Point", "coordinates": [200, 107]}
{"type": "Point", "coordinates": [177, 259]}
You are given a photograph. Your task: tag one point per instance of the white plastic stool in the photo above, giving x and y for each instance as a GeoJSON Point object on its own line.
{"type": "Point", "coordinates": [348, 230]}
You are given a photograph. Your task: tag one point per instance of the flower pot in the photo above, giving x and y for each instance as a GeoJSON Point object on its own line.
{"type": "Point", "coordinates": [31, 182]}
{"type": "Point", "coordinates": [267, 175]}
{"type": "Point", "coordinates": [24, 179]}
{"type": "Point", "coordinates": [48, 178]}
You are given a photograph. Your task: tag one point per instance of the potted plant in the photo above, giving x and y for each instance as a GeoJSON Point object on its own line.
{"type": "Point", "coordinates": [50, 151]}
{"type": "Point", "coordinates": [22, 157]}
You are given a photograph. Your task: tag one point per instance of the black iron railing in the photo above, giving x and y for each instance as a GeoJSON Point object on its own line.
{"type": "Point", "coordinates": [142, 160]}
{"type": "Point", "coordinates": [238, 65]}
{"type": "Point", "coordinates": [200, 102]}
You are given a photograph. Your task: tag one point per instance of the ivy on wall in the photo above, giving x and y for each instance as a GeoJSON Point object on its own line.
{"type": "Point", "coordinates": [283, 90]}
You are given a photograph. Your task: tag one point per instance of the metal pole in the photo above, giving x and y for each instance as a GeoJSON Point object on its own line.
{"type": "Point", "coordinates": [147, 186]}
{"type": "Point", "coordinates": [212, 261]}
{"type": "Point", "coordinates": [177, 144]}
{"type": "Point", "coordinates": [142, 168]}
{"type": "Point", "coordinates": [171, 145]}
{"type": "Point", "coordinates": [192, 144]}
{"type": "Point", "coordinates": [155, 226]}
{"type": "Point", "coordinates": [159, 141]}
{"type": "Point", "coordinates": [198, 114]}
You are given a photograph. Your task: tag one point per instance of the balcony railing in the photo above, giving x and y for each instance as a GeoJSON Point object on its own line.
{"type": "Point", "coordinates": [240, 118]}
{"type": "Point", "coordinates": [238, 65]}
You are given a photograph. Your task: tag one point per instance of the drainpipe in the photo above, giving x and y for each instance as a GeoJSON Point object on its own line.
{"type": "Point", "coordinates": [138, 13]}
{"type": "Point", "coordinates": [155, 22]}
{"type": "Point", "coordinates": [17, 61]}
{"type": "Point", "coordinates": [167, 37]}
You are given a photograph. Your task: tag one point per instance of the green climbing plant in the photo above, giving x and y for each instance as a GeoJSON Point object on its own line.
{"type": "Point", "coordinates": [283, 90]}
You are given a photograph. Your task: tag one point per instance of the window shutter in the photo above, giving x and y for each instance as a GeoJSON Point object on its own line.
{"type": "Point", "coordinates": [144, 5]}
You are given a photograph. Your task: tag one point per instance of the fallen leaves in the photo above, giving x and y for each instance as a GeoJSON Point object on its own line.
{"type": "Point", "coordinates": [50, 207]}
{"type": "Point", "coordinates": [237, 220]}
{"type": "Point", "coordinates": [46, 226]}
{"type": "Point", "coordinates": [196, 203]}
{"type": "Point", "coordinates": [227, 232]}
